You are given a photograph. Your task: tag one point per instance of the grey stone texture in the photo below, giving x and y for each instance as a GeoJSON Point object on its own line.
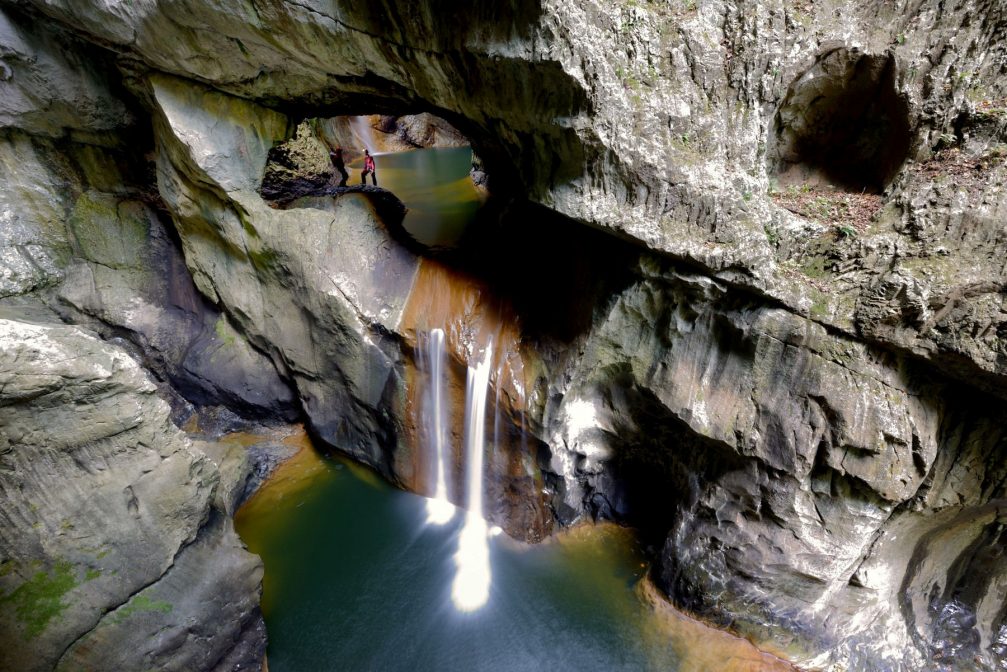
{"type": "Point", "coordinates": [803, 411]}
{"type": "Point", "coordinates": [110, 534]}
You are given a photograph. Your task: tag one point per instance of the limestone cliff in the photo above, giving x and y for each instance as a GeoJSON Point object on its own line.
{"type": "Point", "coordinates": [791, 373]}
{"type": "Point", "coordinates": [114, 550]}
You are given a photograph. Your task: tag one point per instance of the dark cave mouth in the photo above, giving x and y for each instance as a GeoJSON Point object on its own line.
{"type": "Point", "coordinates": [843, 123]}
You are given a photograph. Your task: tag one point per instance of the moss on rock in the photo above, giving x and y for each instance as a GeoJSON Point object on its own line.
{"type": "Point", "coordinates": [40, 599]}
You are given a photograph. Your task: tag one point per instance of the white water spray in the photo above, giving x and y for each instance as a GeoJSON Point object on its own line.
{"type": "Point", "coordinates": [439, 509]}
{"type": "Point", "coordinates": [471, 587]}
{"type": "Point", "coordinates": [362, 129]}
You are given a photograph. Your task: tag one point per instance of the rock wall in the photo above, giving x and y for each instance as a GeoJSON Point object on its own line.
{"type": "Point", "coordinates": [114, 549]}
{"type": "Point", "coordinates": [82, 225]}
{"type": "Point", "coordinates": [653, 122]}
{"type": "Point", "coordinates": [805, 476]}
{"type": "Point", "coordinates": [313, 286]}
{"type": "Point", "coordinates": [798, 401]}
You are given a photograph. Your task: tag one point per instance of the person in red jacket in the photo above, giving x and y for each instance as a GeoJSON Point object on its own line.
{"type": "Point", "coordinates": [369, 168]}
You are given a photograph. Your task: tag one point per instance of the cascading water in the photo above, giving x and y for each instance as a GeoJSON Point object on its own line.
{"type": "Point", "coordinates": [485, 331]}
{"type": "Point", "coordinates": [439, 509]}
{"type": "Point", "coordinates": [362, 129]}
{"type": "Point", "coordinates": [472, 581]}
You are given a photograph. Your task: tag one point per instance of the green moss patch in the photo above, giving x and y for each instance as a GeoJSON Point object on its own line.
{"type": "Point", "coordinates": [108, 231]}
{"type": "Point", "coordinates": [141, 604]}
{"type": "Point", "coordinates": [224, 333]}
{"type": "Point", "coordinates": [815, 268]}
{"type": "Point", "coordinates": [40, 599]}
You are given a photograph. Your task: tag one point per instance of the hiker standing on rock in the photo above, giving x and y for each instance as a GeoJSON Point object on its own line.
{"type": "Point", "coordinates": [336, 156]}
{"type": "Point", "coordinates": [369, 168]}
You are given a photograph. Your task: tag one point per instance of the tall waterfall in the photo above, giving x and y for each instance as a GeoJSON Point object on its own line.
{"type": "Point", "coordinates": [362, 129]}
{"type": "Point", "coordinates": [472, 581]}
{"type": "Point", "coordinates": [439, 509]}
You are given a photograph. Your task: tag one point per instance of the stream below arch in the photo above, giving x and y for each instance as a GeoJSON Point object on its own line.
{"type": "Point", "coordinates": [361, 576]}
{"type": "Point", "coordinates": [356, 579]}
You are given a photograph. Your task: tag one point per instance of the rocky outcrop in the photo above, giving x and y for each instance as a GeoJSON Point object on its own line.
{"type": "Point", "coordinates": [790, 463]}
{"type": "Point", "coordinates": [315, 286]}
{"type": "Point", "coordinates": [111, 533]}
{"type": "Point", "coordinates": [54, 85]}
{"type": "Point", "coordinates": [420, 131]}
{"type": "Point", "coordinates": [128, 280]}
{"type": "Point", "coordinates": [81, 220]}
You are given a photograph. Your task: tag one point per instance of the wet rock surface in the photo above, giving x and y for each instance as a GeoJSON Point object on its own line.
{"type": "Point", "coordinates": [805, 477]}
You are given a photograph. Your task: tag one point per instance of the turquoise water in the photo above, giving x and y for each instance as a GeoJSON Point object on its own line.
{"type": "Point", "coordinates": [356, 580]}
{"type": "Point", "coordinates": [435, 186]}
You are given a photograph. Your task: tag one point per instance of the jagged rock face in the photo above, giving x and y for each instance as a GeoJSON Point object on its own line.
{"type": "Point", "coordinates": [76, 229]}
{"type": "Point", "coordinates": [317, 286]}
{"type": "Point", "coordinates": [52, 86]}
{"type": "Point", "coordinates": [809, 481]}
{"type": "Point", "coordinates": [650, 120]}
{"type": "Point", "coordinates": [767, 414]}
{"type": "Point", "coordinates": [80, 219]}
{"type": "Point", "coordinates": [110, 528]}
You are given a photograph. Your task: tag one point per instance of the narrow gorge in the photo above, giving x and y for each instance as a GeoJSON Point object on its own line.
{"type": "Point", "coordinates": [664, 336]}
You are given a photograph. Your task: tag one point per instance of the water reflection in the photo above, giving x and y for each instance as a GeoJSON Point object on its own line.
{"type": "Point", "coordinates": [355, 580]}
{"type": "Point", "coordinates": [435, 186]}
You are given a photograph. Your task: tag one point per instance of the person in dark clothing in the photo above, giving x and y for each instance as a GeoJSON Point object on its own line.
{"type": "Point", "coordinates": [336, 156]}
{"type": "Point", "coordinates": [369, 168]}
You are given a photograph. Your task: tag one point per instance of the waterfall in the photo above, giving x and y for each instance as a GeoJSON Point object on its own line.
{"type": "Point", "coordinates": [472, 580]}
{"type": "Point", "coordinates": [362, 129]}
{"type": "Point", "coordinates": [476, 388]}
{"type": "Point", "coordinates": [439, 509]}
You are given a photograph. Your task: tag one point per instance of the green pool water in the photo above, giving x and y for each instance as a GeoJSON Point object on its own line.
{"type": "Point", "coordinates": [356, 580]}
{"type": "Point", "coordinates": [435, 186]}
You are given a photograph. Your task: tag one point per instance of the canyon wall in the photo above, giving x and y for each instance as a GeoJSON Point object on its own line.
{"type": "Point", "coordinates": [791, 376]}
{"type": "Point", "coordinates": [117, 546]}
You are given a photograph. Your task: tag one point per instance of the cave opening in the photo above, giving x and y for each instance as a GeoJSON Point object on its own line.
{"type": "Point", "coordinates": [458, 211]}
{"type": "Point", "coordinates": [494, 269]}
{"type": "Point", "coordinates": [843, 123]}
{"type": "Point", "coordinates": [435, 180]}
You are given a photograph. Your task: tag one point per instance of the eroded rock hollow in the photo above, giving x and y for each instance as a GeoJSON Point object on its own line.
{"type": "Point", "coordinates": [843, 121]}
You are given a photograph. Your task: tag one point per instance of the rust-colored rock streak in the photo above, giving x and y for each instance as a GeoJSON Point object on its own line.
{"type": "Point", "coordinates": [720, 650]}
{"type": "Point", "coordinates": [472, 317]}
